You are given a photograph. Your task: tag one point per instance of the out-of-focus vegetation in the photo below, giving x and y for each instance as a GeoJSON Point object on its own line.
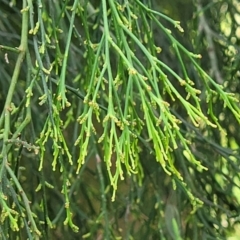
{"type": "Point", "coordinates": [119, 119]}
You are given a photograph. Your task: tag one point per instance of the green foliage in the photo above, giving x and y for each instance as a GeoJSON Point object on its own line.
{"type": "Point", "coordinates": [118, 122]}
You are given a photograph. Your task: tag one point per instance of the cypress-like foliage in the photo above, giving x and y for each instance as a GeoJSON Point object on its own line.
{"type": "Point", "coordinates": [119, 119]}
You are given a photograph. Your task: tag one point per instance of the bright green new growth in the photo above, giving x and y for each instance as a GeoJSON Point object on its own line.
{"type": "Point", "coordinates": [122, 97]}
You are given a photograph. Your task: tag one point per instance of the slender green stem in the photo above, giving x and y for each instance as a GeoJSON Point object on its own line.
{"type": "Point", "coordinates": [25, 200]}
{"type": "Point", "coordinates": [6, 114]}
{"type": "Point", "coordinates": [11, 49]}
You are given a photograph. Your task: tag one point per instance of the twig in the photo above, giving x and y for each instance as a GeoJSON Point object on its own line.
{"type": "Point", "coordinates": [11, 49]}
